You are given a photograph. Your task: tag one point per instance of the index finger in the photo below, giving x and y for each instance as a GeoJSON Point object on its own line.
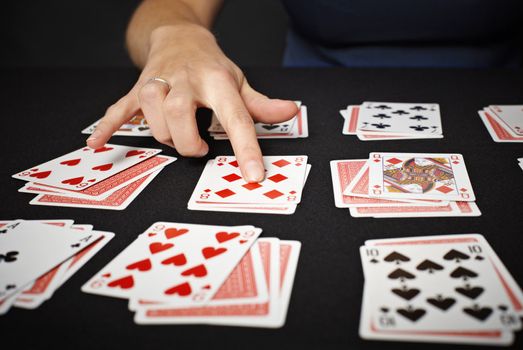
{"type": "Point", "coordinates": [116, 115]}
{"type": "Point", "coordinates": [239, 126]}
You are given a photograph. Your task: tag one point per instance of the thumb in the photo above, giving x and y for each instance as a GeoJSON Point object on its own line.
{"type": "Point", "coordinates": [267, 110]}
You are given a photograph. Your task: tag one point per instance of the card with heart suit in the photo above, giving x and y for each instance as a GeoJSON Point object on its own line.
{"type": "Point", "coordinates": [222, 182]}
{"type": "Point", "coordinates": [180, 264]}
{"type": "Point", "coordinates": [350, 180]}
{"type": "Point", "coordinates": [245, 285]}
{"type": "Point", "coordinates": [400, 118]}
{"type": "Point", "coordinates": [496, 129]}
{"type": "Point", "coordinates": [286, 209]}
{"type": "Point", "coordinates": [136, 126]}
{"type": "Point", "coordinates": [86, 167]}
{"type": "Point", "coordinates": [443, 287]}
{"type": "Point", "coordinates": [24, 259]}
{"type": "Point", "coordinates": [351, 116]}
{"type": "Point", "coordinates": [107, 187]}
{"type": "Point", "coordinates": [118, 200]}
{"type": "Point", "coordinates": [511, 116]}
{"type": "Point", "coordinates": [419, 176]}
{"type": "Point", "coordinates": [280, 262]}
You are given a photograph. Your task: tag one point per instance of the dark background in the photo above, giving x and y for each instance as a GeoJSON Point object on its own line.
{"type": "Point", "coordinates": [58, 88]}
{"type": "Point", "coordinates": [92, 33]}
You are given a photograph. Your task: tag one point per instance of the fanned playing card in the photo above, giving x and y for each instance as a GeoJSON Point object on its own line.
{"type": "Point", "coordinates": [443, 287]}
{"type": "Point", "coordinates": [86, 167]}
{"type": "Point", "coordinates": [419, 176]}
{"type": "Point", "coordinates": [222, 182]}
{"type": "Point", "coordinates": [30, 249]}
{"type": "Point", "coordinates": [181, 264]}
{"type": "Point", "coordinates": [400, 118]}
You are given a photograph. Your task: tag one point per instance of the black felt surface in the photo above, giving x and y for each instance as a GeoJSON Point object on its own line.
{"type": "Point", "coordinates": [44, 111]}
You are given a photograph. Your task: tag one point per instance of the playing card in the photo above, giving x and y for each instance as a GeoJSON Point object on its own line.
{"type": "Point", "coordinates": [222, 182]}
{"type": "Point", "coordinates": [451, 209]}
{"type": "Point", "coordinates": [369, 331]}
{"type": "Point", "coordinates": [280, 266]}
{"type": "Point", "coordinates": [107, 187]}
{"type": "Point", "coordinates": [286, 209]}
{"type": "Point", "coordinates": [419, 176]}
{"type": "Point", "coordinates": [245, 285]}
{"type": "Point", "coordinates": [86, 167]}
{"type": "Point", "coordinates": [30, 249]}
{"type": "Point", "coordinates": [508, 282]}
{"type": "Point", "coordinates": [400, 118]}
{"type": "Point", "coordinates": [351, 115]}
{"type": "Point", "coordinates": [181, 264]}
{"type": "Point", "coordinates": [118, 200]}
{"type": "Point", "coordinates": [496, 130]}
{"type": "Point", "coordinates": [236, 309]}
{"type": "Point", "coordinates": [350, 180]}
{"type": "Point", "coordinates": [511, 116]}
{"type": "Point", "coordinates": [435, 287]}
{"type": "Point", "coordinates": [136, 126]}
{"type": "Point", "coordinates": [295, 128]}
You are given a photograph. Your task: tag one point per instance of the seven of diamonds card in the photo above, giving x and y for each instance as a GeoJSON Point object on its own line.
{"type": "Point", "coordinates": [85, 167]}
{"type": "Point", "coordinates": [400, 118]}
{"type": "Point", "coordinates": [223, 183]}
{"type": "Point", "coordinates": [419, 176]}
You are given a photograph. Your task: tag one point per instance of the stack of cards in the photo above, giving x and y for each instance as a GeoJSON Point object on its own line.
{"type": "Point", "coordinates": [451, 289]}
{"type": "Point", "coordinates": [297, 127]}
{"type": "Point", "coordinates": [389, 185]}
{"type": "Point", "coordinates": [110, 177]}
{"type": "Point", "coordinates": [29, 274]}
{"type": "Point", "coordinates": [136, 126]}
{"type": "Point", "coordinates": [176, 273]}
{"type": "Point", "coordinates": [222, 188]}
{"type": "Point", "coordinates": [504, 123]}
{"type": "Point", "coordinates": [374, 121]}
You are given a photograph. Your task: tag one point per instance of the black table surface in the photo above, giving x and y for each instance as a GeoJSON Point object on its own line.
{"type": "Point", "coordinates": [44, 111]}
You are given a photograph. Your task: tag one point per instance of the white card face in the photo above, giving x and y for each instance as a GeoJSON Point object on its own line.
{"type": "Point", "coordinates": [180, 264]}
{"type": "Point", "coordinates": [368, 330]}
{"type": "Point", "coordinates": [402, 118]}
{"type": "Point", "coordinates": [136, 126]}
{"type": "Point", "coordinates": [435, 287]}
{"type": "Point", "coordinates": [509, 283]}
{"type": "Point", "coordinates": [511, 116]}
{"type": "Point", "coordinates": [222, 182]}
{"type": "Point", "coordinates": [419, 176]}
{"type": "Point", "coordinates": [30, 249]}
{"type": "Point", "coordinates": [85, 167]}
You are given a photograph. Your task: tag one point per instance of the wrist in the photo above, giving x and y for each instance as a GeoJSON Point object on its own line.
{"type": "Point", "coordinates": [183, 33]}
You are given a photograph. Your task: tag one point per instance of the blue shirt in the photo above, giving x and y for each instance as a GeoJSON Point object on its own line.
{"type": "Point", "coordinates": [404, 33]}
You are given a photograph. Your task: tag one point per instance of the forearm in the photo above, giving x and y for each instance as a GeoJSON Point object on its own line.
{"type": "Point", "coordinates": [153, 16]}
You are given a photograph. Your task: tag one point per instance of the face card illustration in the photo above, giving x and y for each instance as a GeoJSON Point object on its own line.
{"type": "Point", "coordinates": [85, 167]}
{"type": "Point", "coordinates": [419, 176]}
{"type": "Point", "coordinates": [435, 287]}
{"type": "Point", "coordinates": [400, 118]}
{"type": "Point", "coordinates": [223, 183]}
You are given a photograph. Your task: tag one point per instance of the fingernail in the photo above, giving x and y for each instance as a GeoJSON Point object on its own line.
{"type": "Point", "coordinates": [254, 171]}
{"type": "Point", "coordinates": [96, 134]}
